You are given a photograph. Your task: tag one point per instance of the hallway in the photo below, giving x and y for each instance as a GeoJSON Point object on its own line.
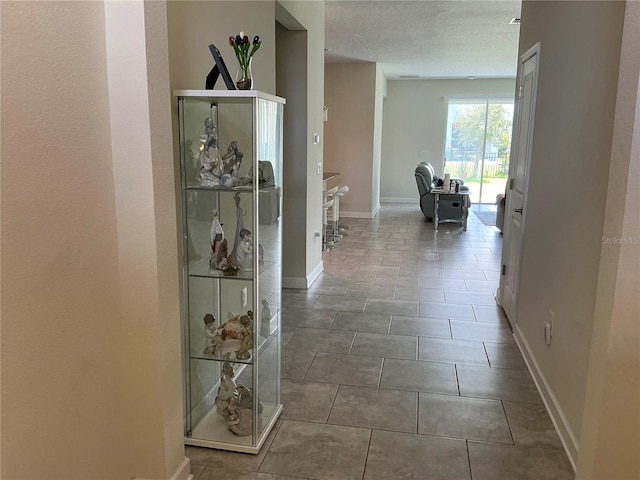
{"type": "Point", "coordinates": [397, 364]}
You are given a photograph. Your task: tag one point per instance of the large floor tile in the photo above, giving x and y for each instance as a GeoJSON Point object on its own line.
{"type": "Point", "coordinates": [507, 462]}
{"type": "Point", "coordinates": [430, 327]}
{"type": "Point", "coordinates": [297, 300]}
{"type": "Point", "coordinates": [531, 425]}
{"type": "Point", "coordinates": [322, 340]}
{"type": "Point", "coordinates": [482, 331]}
{"type": "Point", "coordinates": [392, 307]}
{"type": "Point", "coordinates": [364, 291]}
{"type": "Point", "coordinates": [460, 417]}
{"type": "Point", "coordinates": [375, 408]}
{"type": "Point", "coordinates": [498, 383]}
{"type": "Point", "coordinates": [469, 298]}
{"type": "Point", "coordinates": [463, 274]}
{"type": "Point", "coordinates": [445, 310]}
{"type": "Point", "coordinates": [408, 282]}
{"type": "Point", "coordinates": [441, 283]}
{"type": "Point", "coordinates": [294, 362]}
{"type": "Point", "coordinates": [305, 317]}
{"type": "Point", "coordinates": [395, 455]}
{"type": "Point", "coordinates": [506, 355]}
{"type": "Point", "coordinates": [319, 452]}
{"type": "Point", "coordinates": [362, 322]}
{"type": "Point", "coordinates": [382, 345]}
{"type": "Point", "coordinates": [345, 369]}
{"type": "Point", "coordinates": [490, 313]}
{"type": "Point", "coordinates": [452, 351]}
{"type": "Point", "coordinates": [420, 294]}
{"type": "Point", "coordinates": [306, 401]}
{"type": "Point", "coordinates": [341, 303]}
{"type": "Point", "coordinates": [210, 473]}
{"type": "Point", "coordinates": [419, 376]}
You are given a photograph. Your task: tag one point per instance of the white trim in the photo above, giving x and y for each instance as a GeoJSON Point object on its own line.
{"type": "Point", "coordinates": [228, 94]}
{"type": "Point", "coordinates": [375, 211]}
{"type": "Point", "coordinates": [302, 282]}
{"type": "Point", "coordinates": [294, 282]}
{"type": "Point", "coordinates": [315, 273]}
{"type": "Point", "coordinates": [477, 96]}
{"type": "Point", "coordinates": [183, 472]}
{"type": "Point", "coordinates": [399, 200]}
{"type": "Point", "coordinates": [559, 419]}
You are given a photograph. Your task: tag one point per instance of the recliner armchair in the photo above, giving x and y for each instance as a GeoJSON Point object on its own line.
{"type": "Point", "coordinates": [450, 205]}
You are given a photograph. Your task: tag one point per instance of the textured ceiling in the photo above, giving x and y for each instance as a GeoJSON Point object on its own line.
{"type": "Point", "coordinates": [431, 39]}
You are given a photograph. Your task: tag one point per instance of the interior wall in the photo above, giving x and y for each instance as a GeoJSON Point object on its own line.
{"type": "Point", "coordinates": [291, 71]}
{"type": "Point", "coordinates": [610, 433]}
{"type": "Point", "coordinates": [350, 95]}
{"type": "Point", "coordinates": [381, 93]}
{"type": "Point", "coordinates": [414, 128]}
{"type": "Point", "coordinates": [61, 313]}
{"type": "Point", "coordinates": [571, 150]}
{"type": "Point", "coordinates": [310, 16]}
{"type": "Point", "coordinates": [193, 25]}
{"type": "Point", "coordinates": [90, 378]}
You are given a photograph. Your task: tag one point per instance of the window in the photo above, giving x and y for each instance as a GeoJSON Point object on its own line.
{"type": "Point", "coordinates": [478, 144]}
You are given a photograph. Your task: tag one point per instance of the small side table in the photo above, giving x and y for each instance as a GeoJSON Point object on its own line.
{"type": "Point", "coordinates": [436, 205]}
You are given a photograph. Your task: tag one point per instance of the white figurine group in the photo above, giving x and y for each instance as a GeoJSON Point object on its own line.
{"type": "Point", "coordinates": [241, 256]}
{"type": "Point", "coordinates": [216, 171]}
{"type": "Point", "coordinates": [235, 403]}
{"type": "Point", "coordinates": [233, 340]}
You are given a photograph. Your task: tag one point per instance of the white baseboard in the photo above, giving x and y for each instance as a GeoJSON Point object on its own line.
{"type": "Point", "coordinates": [302, 282]}
{"type": "Point", "coordinates": [375, 211]}
{"type": "Point", "coordinates": [559, 419]}
{"type": "Point", "coordinates": [183, 472]}
{"type": "Point", "coordinates": [315, 273]}
{"type": "Point", "coordinates": [398, 200]}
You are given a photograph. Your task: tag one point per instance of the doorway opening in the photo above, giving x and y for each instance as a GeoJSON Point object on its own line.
{"type": "Point", "coordinates": [478, 142]}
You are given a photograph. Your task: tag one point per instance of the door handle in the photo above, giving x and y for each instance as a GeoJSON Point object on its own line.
{"type": "Point", "coordinates": [518, 210]}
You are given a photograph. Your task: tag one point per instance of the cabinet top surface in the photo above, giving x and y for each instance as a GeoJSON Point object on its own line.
{"type": "Point", "coordinates": [230, 94]}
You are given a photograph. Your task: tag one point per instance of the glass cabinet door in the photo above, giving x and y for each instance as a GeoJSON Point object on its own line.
{"type": "Point", "coordinates": [231, 196]}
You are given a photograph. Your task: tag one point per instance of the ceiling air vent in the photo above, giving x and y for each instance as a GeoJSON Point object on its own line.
{"type": "Point", "coordinates": [514, 21]}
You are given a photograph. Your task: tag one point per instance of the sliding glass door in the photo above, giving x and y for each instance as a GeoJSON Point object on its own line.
{"type": "Point", "coordinates": [478, 144]}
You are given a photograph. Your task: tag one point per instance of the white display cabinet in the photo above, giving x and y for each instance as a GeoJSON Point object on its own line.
{"type": "Point", "coordinates": [231, 175]}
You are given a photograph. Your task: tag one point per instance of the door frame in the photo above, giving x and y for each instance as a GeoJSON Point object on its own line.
{"type": "Point", "coordinates": [529, 54]}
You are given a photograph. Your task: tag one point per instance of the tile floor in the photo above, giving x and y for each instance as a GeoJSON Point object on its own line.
{"type": "Point", "coordinates": [397, 364]}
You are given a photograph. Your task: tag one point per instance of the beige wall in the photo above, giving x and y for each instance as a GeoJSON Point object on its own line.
{"type": "Point", "coordinates": [381, 93]}
{"type": "Point", "coordinates": [91, 384]}
{"type": "Point", "coordinates": [414, 128]}
{"type": "Point", "coordinates": [565, 209]}
{"type": "Point", "coordinates": [304, 115]}
{"type": "Point", "coordinates": [610, 433]}
{"type": "Point", "coordinates": [350, 95]}
{"type": "Point", "coordinates": [193, 25]}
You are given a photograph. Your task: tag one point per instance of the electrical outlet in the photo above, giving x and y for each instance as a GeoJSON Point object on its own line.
{"type": "Point", "coordinates": [548, 327]}
{"type": "Point", "coordinates": [243, 297]}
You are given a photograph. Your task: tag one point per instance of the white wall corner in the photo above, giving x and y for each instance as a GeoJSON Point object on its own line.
{"type": "Point", "coordinates": [303, 282]}
{"type": "Point", "coordinates": [559, 419]}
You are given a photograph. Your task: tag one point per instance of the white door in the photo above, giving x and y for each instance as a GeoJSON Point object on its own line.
{"type": "Point", "coordinates": [515, 208]}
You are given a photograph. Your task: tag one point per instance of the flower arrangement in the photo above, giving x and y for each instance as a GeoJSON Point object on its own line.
{"type": "Point", "coordinates": [244, 51]}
